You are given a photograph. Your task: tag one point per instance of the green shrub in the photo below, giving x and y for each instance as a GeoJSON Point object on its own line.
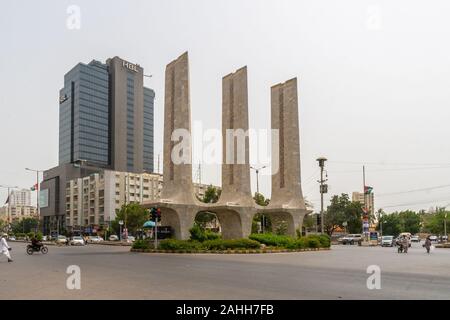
{"type": "Point", "coordinates": [141, 244]}
{"type": "Point", "coordinates": [231, 244]}
{"type": "Point", "coordinates": [200, 234]}
{"type": "Point", "coordinates": [301, 243]}
{"type": "Point", "coordinates": [325, 241]}
{"type": "Point", "coordinates": [312, 242]}
{"type": "Point", "coordinates": [271, 239]}
{"type": "Point", "coordinates": [173, 244]}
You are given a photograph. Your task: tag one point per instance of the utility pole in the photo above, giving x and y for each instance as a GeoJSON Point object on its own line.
{"type": "Point", "coordinates": [323, 189]}
{"type": "Point", "coordinates": [445, 225]}
{"type": "Point", "coordinates": [37, 196]}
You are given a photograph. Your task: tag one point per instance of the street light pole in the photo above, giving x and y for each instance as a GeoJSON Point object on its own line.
{"type": "Point", "coordinates": [37, 195]}
{"type": "Point", "coordinates": [323, 189]}
{"type": "Point", "coordinates": [257, 191]}
{"type": "Point", "coordinates": [257, 176]}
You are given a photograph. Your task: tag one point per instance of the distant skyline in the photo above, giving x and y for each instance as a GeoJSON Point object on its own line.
{"type": "Point", "coordinates": [372, 80]}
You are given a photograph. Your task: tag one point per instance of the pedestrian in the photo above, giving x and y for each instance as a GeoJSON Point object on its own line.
{"type": "Point", "coordinates": [427, 244]}
{"type": "Point", "coordinates": [4, 248]}
{"type": "Point", "coordinates": [405, 243]}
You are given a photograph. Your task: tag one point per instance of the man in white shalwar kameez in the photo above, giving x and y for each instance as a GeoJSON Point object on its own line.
{"type": "Point", "coordinates": [4, 248]}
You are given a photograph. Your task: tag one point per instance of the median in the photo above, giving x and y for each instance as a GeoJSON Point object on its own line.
{"type": "Point", "coordinates": [256, 243]}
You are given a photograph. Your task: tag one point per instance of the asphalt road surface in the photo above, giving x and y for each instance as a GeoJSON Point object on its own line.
{"type": "Point", "coordinates": [109, 272]}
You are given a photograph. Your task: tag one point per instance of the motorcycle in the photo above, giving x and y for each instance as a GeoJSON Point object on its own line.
{"type": "Point", "coordinates": [31, 249]}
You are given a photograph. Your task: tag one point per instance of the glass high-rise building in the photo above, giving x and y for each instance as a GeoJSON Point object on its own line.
{"type": "Point", "coordinates": [106, 117]}
{"type": "Point", "coordinates": [84, 115]}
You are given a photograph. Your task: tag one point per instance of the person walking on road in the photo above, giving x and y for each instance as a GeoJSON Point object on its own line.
{"type": "Point", "coordinates": [427, 244]}
{"type": "Point", "coordinates": [405, 243]}
{"type": "Point", "coordinates": [4, 248]}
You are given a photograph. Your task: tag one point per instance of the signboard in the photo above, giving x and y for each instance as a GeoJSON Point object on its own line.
{"type": "Point", "coordinates": [374, 236]}
{"type": "Point", "coordinates": [130, 66]}
{"type": "Point", "coordinates": [43, 198]}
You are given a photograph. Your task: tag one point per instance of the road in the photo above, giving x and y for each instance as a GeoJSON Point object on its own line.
{"type": "Point", "coordinates": [115, 273]}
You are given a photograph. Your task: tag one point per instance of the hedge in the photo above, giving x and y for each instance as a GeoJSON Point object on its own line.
{"type": "Point", "coordinates": [311, 241]}
{"type": "Point", "coordinates": [255, 241]}
{"type": "Point", "coordinates": [270, 239]}
{"type": "Point", "coordinates": [231, 244]}
{"type": "Point", "coordinates": [141, 244]}
{"type": "Point", "coordinates": [218, 244]}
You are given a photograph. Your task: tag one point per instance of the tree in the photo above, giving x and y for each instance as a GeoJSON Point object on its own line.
{"type": "Point", "coordinates": [134, 216]}
{"type": "Point", "coordinates": [391, 224]}
{"type": "Point", "coordinates": [340, 210]}
{"type": "Point", "coordinates": [3, 225]}
{"type": "Point", "coordinates": [410, 221]}
{"type": "Point", "coordinates": [308, 221]}
{"type": "Point", "coordinates": [260, 199]}
{"type": "Point", "coordinates": [259, 217]}
{"type": "Point", "coordinates": [212, 195]}
{"type": "Point", "coordinates": [203, 218]}
{"type": "Point", "coordinates": [434, 222]}
{"type": "Point", "coordinates": [26, 225]}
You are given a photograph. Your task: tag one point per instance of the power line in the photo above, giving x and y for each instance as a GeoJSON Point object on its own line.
{"type": "Point", "coordinates": [394, 169]}
{"type": "Point", "coordinates": [391, 164]}
{"type": "Point", "coordinates": [414, 203]}
{"type": "Point", "coordinates": [414, 190]}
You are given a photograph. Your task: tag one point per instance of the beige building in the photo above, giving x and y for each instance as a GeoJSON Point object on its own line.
{"type": "Point", "coordinates": [96, 199]}
{"type": "Point", "coordinates": [20, 198]}
{"type": "Point", "coordinates": [369, 198]}
{"type": "Point", "coordinates": [17, 213]}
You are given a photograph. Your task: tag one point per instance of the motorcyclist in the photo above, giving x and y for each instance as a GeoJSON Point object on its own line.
{"type": "Point", "coordinates": [36, 243]}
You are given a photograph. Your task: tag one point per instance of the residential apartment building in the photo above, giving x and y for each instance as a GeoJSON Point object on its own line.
{"type": "Point", "coordinates": [96, 199]}
{"type": "Point", "coordinates": [17, 213]}
{"type": "Point", "coordinates": [20, 197]}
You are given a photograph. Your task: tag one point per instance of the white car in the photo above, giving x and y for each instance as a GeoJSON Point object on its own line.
{"type": "Point", "coordinates": [113, 238]}
{"type": "Point", "coordinates": [77, 241]}
{"type": "Point", "coordinates": [433, 238]}
{"type": "Point", "coordinates": [387, 241]}
{"type": "Point", "coordinates": [61, 240]}
{"type": "Point", "coordinates": [131, 239]}
{"type": "Point", "coordinates": [415, 239]}
{"type": "Point", "coordinates": [95, 239]}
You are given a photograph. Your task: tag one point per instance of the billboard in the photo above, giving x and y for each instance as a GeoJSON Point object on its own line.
{"type": "Point", "coordinates": [43, 198]}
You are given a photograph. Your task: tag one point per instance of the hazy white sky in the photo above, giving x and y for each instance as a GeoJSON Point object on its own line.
{"type": "Point", "coordinates": [373, 81]}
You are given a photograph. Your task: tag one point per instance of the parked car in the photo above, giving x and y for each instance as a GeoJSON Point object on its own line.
{"type": "Point", "coordinates": [387, 241]}
{"type": "Point", "coordinates": [433, 238]}
{"type": "Point", "coordinates": [12, 238]}
{"type": "Point", "coordinates": [61, 240]}
{"type": "Point", "coordinates": [351, 239]}
{"type": "Point", "coordinates": [77, 241]}
{"type": "Point", "coordinates": [444, 238]}
{"type": "Point", "coordinates": [113, 237]}
{"type": "Point", "coordinates": [94, 239]}
{"type": "Point", "coordinates": [44, 238]}
{"type": "Point", "coordinates": [131, 239]}
{"type": "Point", "coordinates": [415, 238]}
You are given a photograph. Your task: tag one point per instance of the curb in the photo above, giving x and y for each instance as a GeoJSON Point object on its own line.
{"type": "Point", "coordinates": [254, 251]}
